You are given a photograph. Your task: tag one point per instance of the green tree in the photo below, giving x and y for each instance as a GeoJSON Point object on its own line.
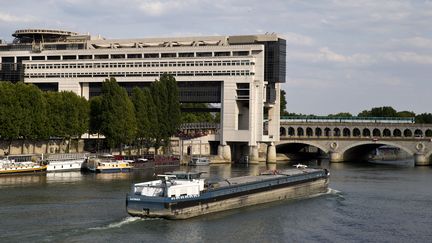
{"type": "Point", "coordinates": [56, 118]}
{"type": "Point", "coordinates": [68, 115]}
{"type": "Point", "coordinates": [118, 122]}
{"type": "Point", "coordinates": [406, 114]}
{"type": "Point", "coordinates": [32, 113]}
{"type": "Point", "coordinates": [385, 111]}
{"type": "Point", "coordinates": [152, 111]}
{"type": "Point", "coordinates": [173, 103]}
{"type": "Point", "coordinates": [139, 100]}
{"type": "Point", "coordinates": [159, 96]}
{"type": "Point", "coordinates": [9, 113]}
{"type": "Point", "coordinates": [424, 118]}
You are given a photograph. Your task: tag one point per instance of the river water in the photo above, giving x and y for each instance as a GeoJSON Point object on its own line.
{"type": "Point", "coordinates": [366, 203]}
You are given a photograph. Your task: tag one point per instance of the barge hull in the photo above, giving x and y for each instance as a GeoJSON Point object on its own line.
{"type": "Point", "coordinates": [297, 191]}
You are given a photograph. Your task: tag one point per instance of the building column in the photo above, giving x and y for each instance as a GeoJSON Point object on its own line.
{"type": "Point", "coordinates": [227, 153]}
{"type": "Point", "coordinates": [253, 155]}
{"type": "Point", "coordinates": [220, 151]}
{"type": "Point", "coordinates": [420, 159]}
{"type": "Point", "coordinates": [271, 153]}
{"type": "Point", "coordinates": [335, 157]}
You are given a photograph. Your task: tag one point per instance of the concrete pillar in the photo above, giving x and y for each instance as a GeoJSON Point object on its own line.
{"type": "Point", "coordinates": [220, 151]}
{"type": "Point", "coordinates": [271, 166]}
{"type": "Point", "coordinates": [420, 159]}
{"type": "Point", "coordinates": [335, 157]}
{"type": "Point", "coordinates": [253, 155]}
{"type": "Point", "coordinates": [271, 153]}
{"type": "Point", "coordinates": [226, 154]}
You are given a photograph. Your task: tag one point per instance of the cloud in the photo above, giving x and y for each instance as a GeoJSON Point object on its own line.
{"type": "Point", "coordinates": [9, 18]}
{"type": "Point", "coordinates": [298, 39]}
{"type": "Point", "coordinates": [159, 8]}
{"type": "Point", "coordinates": [407, 57]}
{"type": "Point", "coordinates": [418, 41]}
{"type": "Point", "coordinates": [326, 55]}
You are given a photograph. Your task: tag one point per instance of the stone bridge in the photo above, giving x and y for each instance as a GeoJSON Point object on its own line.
{"type": "Point", "coordinates": [348, 139]}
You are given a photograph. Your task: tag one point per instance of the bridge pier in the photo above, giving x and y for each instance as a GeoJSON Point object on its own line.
{"type": "Point", "coordinates": [224, 152]}
{"type": "Point", "coordinates": [271, 153]}
{"type": "Point", "coordinates": [253, 155]}
{"type": "Point", "coordinates": [420, 159]}
{"type": "Point", "coordinates": [335, 157]}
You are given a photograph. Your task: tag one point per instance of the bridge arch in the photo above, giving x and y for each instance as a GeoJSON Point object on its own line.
{"type": "Point", "coordinates": [380, 143]}
{"type": "Point", "coordinates": [397, 133]}
{"type": "Point", "coordinates": [346, 132]}
{"type": "Point", "coordinates": [282, 131]}
{"type": "Point", "coordinates": [418, 133]}
{"type": "Point", "coordinates": [428, 133]}
{"type": "Point", "coordinates": [376, 132]}
{"type": "Point", "coordinates": [356, 132]}
{"type": "Point", "coordinates": [318, 132]}
{"type": "Point", "coordinates": [310, 143]}
{"type": "Point", "coordinates": [386, 132]}
{"type": "Point", "coordinates": [366, 132]}
{"type": "Point", "coordinates": [300, 132]}
{"type": "Point", "coordinates": [327, 132]}
{"type": "Point", "coordinates": [309, 132]}
{"type": "Point", "coordinates": [429, 156]}
{"type": "Point", "coordinates": [407, 133]}
{"type": "Point", "coordinates": [336, 132]}
{"type": "Point", "coordinates": [291, 131]}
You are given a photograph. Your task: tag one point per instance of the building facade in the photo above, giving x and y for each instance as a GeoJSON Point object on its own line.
{"type": "Point", "coordinates": [242, 73]}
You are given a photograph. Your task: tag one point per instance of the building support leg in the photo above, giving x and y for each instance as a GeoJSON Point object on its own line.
{"type": "Point", "coordinates": [271, 153]}
{"type": "Point", "coordinates": [220, 151]}
{"type": "Point", "coordinates": [253, 155]}
{"type": "Point", "coordinates": [226, 154]}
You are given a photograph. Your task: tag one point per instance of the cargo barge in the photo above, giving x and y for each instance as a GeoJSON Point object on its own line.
{"type": "Point", "coordinates": [180, 195]}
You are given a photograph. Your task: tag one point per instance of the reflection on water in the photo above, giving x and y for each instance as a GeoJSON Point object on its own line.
{"type": "Point", "coordinates": [22, 179]}
{"type": "Point", "coordinates": [63, 177]}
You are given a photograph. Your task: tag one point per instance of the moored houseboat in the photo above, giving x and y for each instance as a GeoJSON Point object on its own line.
{"type": "Point", "coordinates": [185, 195]}
{"type": "Point", "coordinates": [106, 163]}
{"type": "Point", "coordinates": [64, 162]}
{"type": "Point", "coordinates": [12, 166]}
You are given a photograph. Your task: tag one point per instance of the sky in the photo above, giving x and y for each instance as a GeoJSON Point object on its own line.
{"type": "Point", "coordinates": [342, 55]}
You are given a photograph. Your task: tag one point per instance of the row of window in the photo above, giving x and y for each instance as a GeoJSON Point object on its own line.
{"type": "Point", "coordinates": [141, 64]}
{"type": "Point", "coordinates": [140, 74]}
{"type": "Point", "coordinates": [138, 55]}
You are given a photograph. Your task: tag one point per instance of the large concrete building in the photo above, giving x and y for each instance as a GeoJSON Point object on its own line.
{"type": "Point", "coordinates": [242, 73]}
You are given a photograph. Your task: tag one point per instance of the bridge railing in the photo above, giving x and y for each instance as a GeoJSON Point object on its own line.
{"type": "Point", "coordinates": [354, 119]}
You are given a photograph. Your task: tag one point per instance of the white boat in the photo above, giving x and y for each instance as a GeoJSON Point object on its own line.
{"type": "Point", "coordinates": [64, 162]}
{"type": "Point", "coordinates": [199, 161]}
{"type": "Point", "coordinates": [300, 166]}
{"type": "Point", "coordinates": [10, 166]}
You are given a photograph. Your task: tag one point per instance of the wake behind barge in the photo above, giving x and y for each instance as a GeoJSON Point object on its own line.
{"type": "Point", "coordinates": [181, 195]}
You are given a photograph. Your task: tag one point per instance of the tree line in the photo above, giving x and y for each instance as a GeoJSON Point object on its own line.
{"type": "Point", "coordinates": [384, 111]}
{"type": "Point", "coordinates": [148, 117]}
{"type": "Point", "coordinates": [27, 113]}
